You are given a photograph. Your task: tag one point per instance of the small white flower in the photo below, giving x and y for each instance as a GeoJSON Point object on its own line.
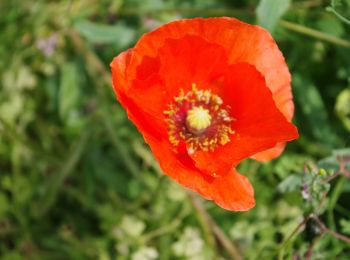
{"type": "Point", "coordinates": [145, 253]}
{"type": "Point", "coordinates": [132, 226]}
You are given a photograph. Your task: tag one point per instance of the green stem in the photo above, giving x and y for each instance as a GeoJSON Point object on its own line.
{"type": "Point", "coordinates": [53, 187]}
{"type": "Point", "coordinates": [203, 220]}
{"type": "Point", "coordinates": [120, 147]}
{"type": "Point", "coordinates": [285, 242]}
{"type": "Point", "coordinates": [212, 230]}
{"type": "Point", "coordinates": [315, 34]}
{"type": "Point", "coordinates": [342, 18]}
{"type": "Point", "coordinates": [212, 11]}
{"type": "Point", "coordinates": [188, 10]}
{"type": "Point", "coordinates": [333, 201]}
{"type": "Point", "coordinates": [165, 229]}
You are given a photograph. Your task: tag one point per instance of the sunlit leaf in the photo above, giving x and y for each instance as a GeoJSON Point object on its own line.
{"type": "Point", "coordinates": [270, 11]}
{"type": "Point", "coordinates": [68, 92]}
{"type": "Point", "coordinates": [118, 34]}
{"type": "Point", "coordinates": [342, 107]}
{"type": "Point", "coordinates": [345, 225]}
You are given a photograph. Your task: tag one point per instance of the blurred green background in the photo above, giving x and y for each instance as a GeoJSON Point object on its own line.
{"type": "Point", "coordinates": [78, 182]}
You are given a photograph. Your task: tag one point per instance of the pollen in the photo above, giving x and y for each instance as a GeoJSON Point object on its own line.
{"type": "Point", "coordinates": [200, 119]}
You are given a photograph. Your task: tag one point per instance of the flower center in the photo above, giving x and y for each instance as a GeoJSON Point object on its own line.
{"type": "Point", "coordinates": [200, 119]}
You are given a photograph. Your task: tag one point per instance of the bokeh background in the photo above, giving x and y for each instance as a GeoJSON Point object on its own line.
{"type": "Point", "coordinates": [78, 182]}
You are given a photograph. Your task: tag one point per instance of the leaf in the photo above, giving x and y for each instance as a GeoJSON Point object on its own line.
{"type": "Point", "coordinates": [270, 11]}
{"type": "Point", "coordinates": [117, 34]}
{"type": "Point", "coordinates": [331, 25]}
{"type": "Point", "coordinates": [68, 92]}
{"type": "Point", "coordinates": [342, 107]}
{"type": "Point", "coordinates": [345, 225]}
{"type": "Point", "coordinates": [332, 162]}
{"type": "Point", "coordinates": [291, 183]}
{"type": "Point", "coordinates": [335, 3]}
{"type": "Point", "coordinates": [312, 107]}
{"type": "Point", "coordinates": [4, 204]}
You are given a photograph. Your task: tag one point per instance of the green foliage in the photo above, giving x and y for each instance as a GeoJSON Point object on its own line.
{"type": "Point", "coordinates": [345, 224]}
{"type": "Point", "coordinates": [269, 12]}
{"type": "Point", "coordinates": [77, 180]}
{"type": "Point", "coordinates": [68, 95]}
{"type": "Point", "coordinates": [342, 107]}
{"type": "Point", "coordinates": [313, 111]}
{"type": "Point", "coordinates": [118, 34]}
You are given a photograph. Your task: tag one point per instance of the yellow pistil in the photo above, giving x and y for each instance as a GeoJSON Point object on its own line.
{"type": "Point", "coordinates": [198, 118]}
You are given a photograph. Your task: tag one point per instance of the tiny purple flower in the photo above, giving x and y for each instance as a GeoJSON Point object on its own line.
{"type": "Point", "coordinates": [47, 45]}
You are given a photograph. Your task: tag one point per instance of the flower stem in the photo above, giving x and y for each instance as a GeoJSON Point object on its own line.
{"type": "Point", "coordinates": [314, 33]}
{"type": "Point", "coordinates": [342, 18]}
{"type": "Point", "coordinates": [211, 227]}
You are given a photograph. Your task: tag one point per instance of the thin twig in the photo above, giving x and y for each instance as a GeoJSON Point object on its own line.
{"type": "Point", "coordinates": [203, 218]}
{"type": "Point", "coordinates": [332, 177]}
{"type": "Point", "coordinates": [219, 234]}
{"type": "Point", "coordinates": [329, 231]}
{"type": "Point", "coordinates": [166, 229]}
{"type": "Point", "coordinates": [301, 225]}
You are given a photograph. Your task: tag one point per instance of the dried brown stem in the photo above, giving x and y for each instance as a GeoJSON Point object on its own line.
{"type": "Point", "coordinates": [329, 231]}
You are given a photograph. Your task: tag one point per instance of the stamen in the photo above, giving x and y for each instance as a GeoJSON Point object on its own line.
{"type": "Point", "coordinates": [200, 119]}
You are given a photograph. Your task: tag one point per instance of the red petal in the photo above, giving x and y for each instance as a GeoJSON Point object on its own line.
{"type": "Point", "coordinates": [190, 60]}
{"type": "Point", "coordinates": [119, 66]}
{"type": "Point", "coordinates": [179, 64]}
{"type": "Point", "coordinates": [259, 124]}
{"type": "Point", "coordinates": [144, 118]}
{"type": "Point", "coordinates": [270, 154]}
{"type": "Point", "coordinates": [232, 191]}
{"type": "Point", "coordinates": [243, 43]}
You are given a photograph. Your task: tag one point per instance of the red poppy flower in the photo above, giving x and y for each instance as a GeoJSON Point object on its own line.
{"type": "Point", "coordinates": [206, 94]}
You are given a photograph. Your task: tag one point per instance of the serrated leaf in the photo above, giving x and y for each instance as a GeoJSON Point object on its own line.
{"type": "Point", "coordinates": [270, 11]}
{"type": "Point", "coordinates": [117, 34]}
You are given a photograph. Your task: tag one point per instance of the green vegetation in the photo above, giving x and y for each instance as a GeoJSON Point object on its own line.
{"type": "Point", "coordinates": [78, 182]}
